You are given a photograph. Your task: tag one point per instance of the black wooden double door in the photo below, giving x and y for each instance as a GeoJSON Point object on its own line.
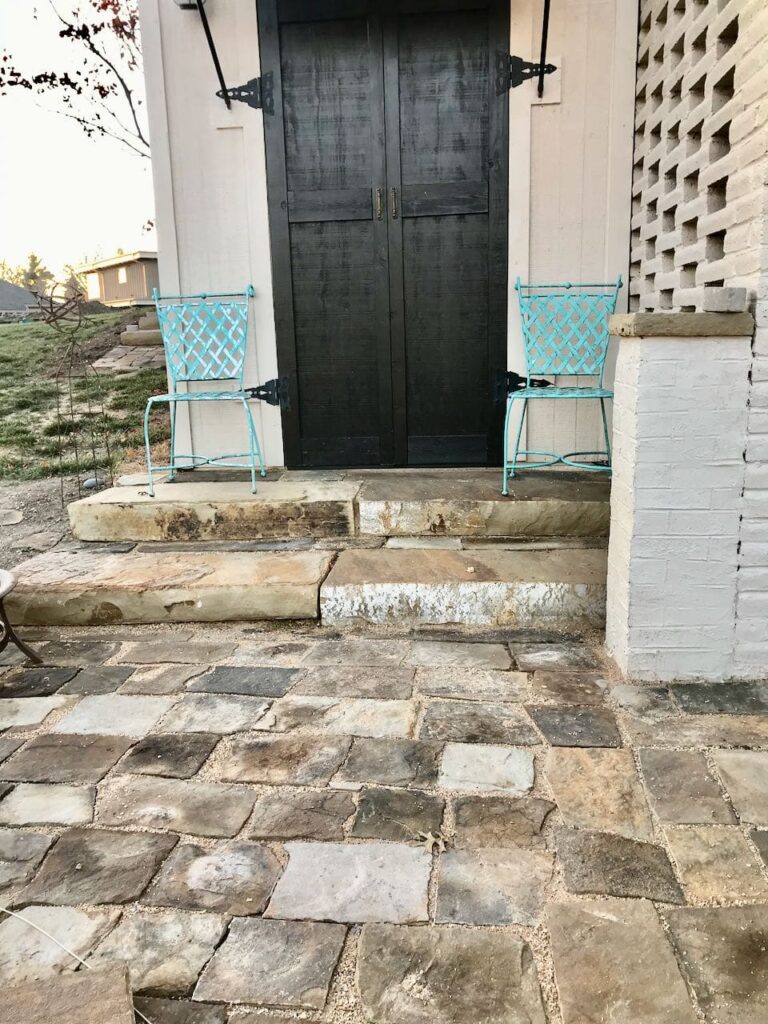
{"type": "Point", "coordinates": [387, 175]}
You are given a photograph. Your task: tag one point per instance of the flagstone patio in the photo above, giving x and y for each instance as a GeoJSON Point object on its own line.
{"type": "Point", "coordinates": [291, 824]}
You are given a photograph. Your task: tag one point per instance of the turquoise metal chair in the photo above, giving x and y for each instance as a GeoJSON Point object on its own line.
{"type": "Point", "coordinates": [565, 332]}
{"type": "Point", "coordinates": [204, 338]}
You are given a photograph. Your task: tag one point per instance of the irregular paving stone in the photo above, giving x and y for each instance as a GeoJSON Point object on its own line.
{"type": "Point", "coordinates": [27, 954]}
{"type": "Point", "coordinates": [400, 815]}
{"type": "Point", "coordinates": [748, 698]}
{"type": "Point", "coordinates": [289, 654]}
{"type": "Point", "coordinates": [34, 682]}
{"type": "Point", "coordinates": [165, 950]}
{"type": "Point", "coordinates": [278, 760]}
{"type": "Point", "coordinates": [698, 731]}
{"type": "Point", "coordinates": [760, 839]}
{"type": "Point", "coordinates": [570, 687]}
{"type": "Point", "coordinates": [94, 681]}
{"type": "Point", "coordinates": [360, 653]}
{"type": "Point", "coordinates": [177, 755]}
{"type": "Point", "coordinates": [343, 681]}
{"type": "Point", "coordinates": [274, 963]}
{"type": "Point", "coordinates": [465, 722]}
{"type": "Point", "coordinates": [251, 682]}
{"type": "Point", "coordinates": [475, 766]}
{"type": "Point", "coordinates": [360, 882]}
{"type": "Point", "coordinates": [611, 865]}
{"type": "Point", "coordinates": [492, 887]}
{"type": "Point", "coordinates": [472, 684]}
{"type": "Point", "coordinates": [180, 1011]}
{"type": "Point", "coordinates": [431, 653]}
{"type": "Point", "coordinates": [8, 745]}
{"type": "Point", "coordinates": [439, 975]}
{"type": "Point", "coordinates": [340, 716]}
{"type": "Point", "coordinates": [576, 727]}
{"type": "Point", "coordinates": [89, 997]}
{"type": "Point", "coordinates": [28, 711]}
{"type": "Point", "coordinates": [79, 652]}
{"type": "Point", "coordinates": [647, 703]}
{"type": "Point", "coordinates": [289, 813]}
{"type": "Point", "coordinates": [236, 878]}
{"type": "Point", "coordinates": [388, 762]}
{"type": "Point", "coordinates": [613, 963]}
{"type": "Point", "coordinates": [203, 712]}
{"type": "Point", "coordinates": [57, 757]}
{"type": "Point", "coordinates": [531, 657]}
{"type": "Point", "coordinates": [5, 789]}
{"type": "Point", "coordinates": [185, 652]}
{"type": "Point", "coordinates": [717, 864]}
{"type": "Point", "coordinates": [114, 715]}
{"type": "Point", "coordinates": [160, 679]}
{"type": "Point", "coordinates": [681, 789]}
{"type": "Point", "coordinates": [722, 953]}
{"type": "Point", "coordinates": [41, 804]}
{"type": "Point", "coordinates": [194, 808]}
{"type": "Point", "coordinates": [497, 821]}
{"type": "Point", "coordinates": [745, 774]}
{"type": "Point", "coordinates": [599, 789]}
{"type": "Point", "coordinates": [20, 854]}
{"type": "Point", "coordinates": [99, 866]}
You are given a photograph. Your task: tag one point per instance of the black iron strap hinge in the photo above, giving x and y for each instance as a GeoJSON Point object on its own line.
{"type": "Point", "coordinates": [512, 71]}
{"type": "Point", "coordinates": [258, 93]}
{"type": "Point", "coordinates": [273, 392]}
{"type": "Point", "coordinates": [508, 381]}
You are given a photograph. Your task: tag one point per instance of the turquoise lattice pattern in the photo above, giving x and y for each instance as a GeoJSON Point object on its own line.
{"type": "Point", "coordinates": [565, 326]}
{"type": "Point", "coordinates": [204, 336]}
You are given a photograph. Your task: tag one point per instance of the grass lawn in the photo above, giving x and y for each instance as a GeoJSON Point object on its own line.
{"type": "Point", "coordinates": [30, 428]}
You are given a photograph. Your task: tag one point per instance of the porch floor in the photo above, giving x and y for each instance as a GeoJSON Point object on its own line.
{"type": "Point", "coordinates": [283, 825]}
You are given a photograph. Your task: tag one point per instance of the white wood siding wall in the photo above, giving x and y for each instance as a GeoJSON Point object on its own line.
{"type": "Point", "coordinates": [570, 179]}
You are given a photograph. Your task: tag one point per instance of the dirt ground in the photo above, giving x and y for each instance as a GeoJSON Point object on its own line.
{"type": "Point", "coordinates": [44, 522]}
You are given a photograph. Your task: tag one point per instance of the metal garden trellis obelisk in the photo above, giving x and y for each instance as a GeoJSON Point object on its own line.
{"type": "Point", "coordinates": [82, 428]}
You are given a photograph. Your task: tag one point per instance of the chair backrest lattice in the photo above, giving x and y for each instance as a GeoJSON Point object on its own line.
{"type": "Point", "coordinates": [204, 335]}
{"type": "Point", "coordinates": [565, 326]}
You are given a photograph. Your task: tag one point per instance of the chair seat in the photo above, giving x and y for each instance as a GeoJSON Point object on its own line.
{"type": "Point", "coordinates": [7, 583]}
{"type": "Point", "coordinates": [202, 396]}
{"type": "Point", "coordinates": [555, 392]}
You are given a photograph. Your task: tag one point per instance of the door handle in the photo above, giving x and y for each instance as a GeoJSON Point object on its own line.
{"type": "Point", "coordinates": [395, 208]}
{"type": "Point", "coordinates": [379, 203]}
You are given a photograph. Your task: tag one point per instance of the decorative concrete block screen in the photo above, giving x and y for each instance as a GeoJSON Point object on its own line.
{"type": "Point", "coordinates": [699, 149]}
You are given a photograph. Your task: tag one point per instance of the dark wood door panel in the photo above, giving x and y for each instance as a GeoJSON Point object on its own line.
{"type": "Point", "coordinates": [390, 313]}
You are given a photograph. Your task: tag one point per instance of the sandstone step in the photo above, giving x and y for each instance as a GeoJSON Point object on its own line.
{"type": "Point", "coordinates": [141, 337]}
{"type": "Point", "coordinates": [563, 589]}
{"type": "Point", "coordinates": [89, 588]}
{"type": "Point", "coordinates": [466, 503]}
{"type": "Point", "coordinates": [148, 322]}
{"type": "Point", "coordinates": [222, 511]}
{"type": "Point", "coordinates": [438, 506]}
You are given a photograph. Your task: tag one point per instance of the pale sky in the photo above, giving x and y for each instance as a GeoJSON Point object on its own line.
{"type": "Point", "coordinates": [65, 196]}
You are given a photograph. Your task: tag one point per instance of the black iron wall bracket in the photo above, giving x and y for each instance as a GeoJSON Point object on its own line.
{"type": "Point", "coordinates": [258, 93]}
{"type": "Point", "coordinates": [512, 71]}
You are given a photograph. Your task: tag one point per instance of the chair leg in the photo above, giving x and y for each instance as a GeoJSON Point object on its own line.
{"type": "Point", "coordinates": [8, 635]}
{"type": "Point", "coordinates": [254, 444]}
{"type": "Point", "coordinates": [148, 449]}
{"type": "Point", "coordinates": [172, 473]}
{"type": "Point", "coordinates": [505, 488]}
{"type": "Point", "coordinates": [605, 431]}
{"type": "Point", "coordinates": [519, 435]}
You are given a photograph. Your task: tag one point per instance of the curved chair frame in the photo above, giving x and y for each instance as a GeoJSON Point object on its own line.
{"type": "Point", "coordinates": [565, 332]}
{"type": "Point", "coordinates": [205, 339]}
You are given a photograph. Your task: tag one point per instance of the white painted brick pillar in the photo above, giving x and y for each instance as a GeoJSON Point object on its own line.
{"type": "Point", "coordinates": [680, 426]}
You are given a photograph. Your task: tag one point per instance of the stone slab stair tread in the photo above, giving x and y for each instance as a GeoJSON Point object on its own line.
{"type": "Point", "coordinates": [82, 588]}
{"type": "Point", "coordinates": [142, 337]}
